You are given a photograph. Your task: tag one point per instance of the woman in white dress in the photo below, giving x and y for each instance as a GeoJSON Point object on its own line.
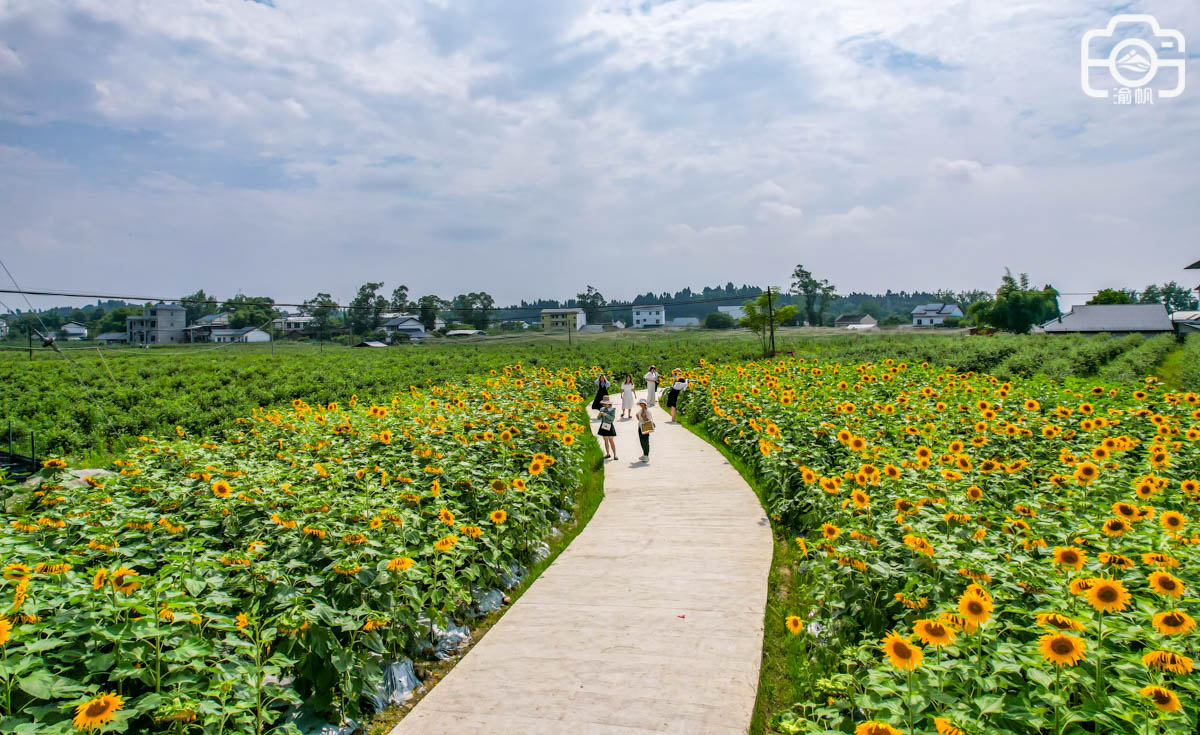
{"type": "Point", "coordinates": [627, 397]}
{"type": "Point", "coordinates": [651, 386]}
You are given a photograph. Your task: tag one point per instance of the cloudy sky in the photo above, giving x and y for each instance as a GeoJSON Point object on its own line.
{"type": "Point", "coordinates": [531, 147]}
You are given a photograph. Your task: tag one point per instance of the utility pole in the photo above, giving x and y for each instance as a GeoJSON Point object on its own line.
{"type": "Point", "coordinates": [771, 318]}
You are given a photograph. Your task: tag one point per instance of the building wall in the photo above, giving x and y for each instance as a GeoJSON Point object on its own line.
{"type": "Point", "coordinates": [649, 317]}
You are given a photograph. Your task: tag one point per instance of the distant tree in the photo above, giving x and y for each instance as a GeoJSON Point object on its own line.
{"type": "Point", "coordinates": [474, 309]}
{"type": "Point", "coordinates": [592, 302]}
{"type": "Point", "coordinates": [973, 296]}
{"type": "Point", "coordinates": [428, 308]}
{"type": "Point", "coordinates": [114, 319]}
{"type": "Point", "coordinates": [1171, 295]}
{"type": "Point", "coordinates": [892, 320]}
{"type": "Point", "coordinates": [199, 304]}
{"type": "Point", "coordinates": [323, 309]}
{"type": "Point", "coordinates": [400, 299]}
{"type": "Point", "coordinates": [1111, 296]}
{"type": "Point", "coordinates": [365, 310]}
{"type": "Point", "coordinates": [763, 314]}
{"type": "Point", "coordinates": [718, 320]}
{"type": "Point", "coordinates": [250, 311]}
{"type": "Point", "coordinates": [816, 295]}
{"type": "Point", "coordinates": [78, 315]}
{"type": "Point", "coordinates": [1017, 307]}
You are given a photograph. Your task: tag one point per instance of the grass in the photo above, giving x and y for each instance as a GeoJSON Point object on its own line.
{"type": "Point", "coordinates": [432, 671]}
{"type": "Point", "coordinates": [1171, 370]}
{"type": "Point", "coordinates": [788, 671]}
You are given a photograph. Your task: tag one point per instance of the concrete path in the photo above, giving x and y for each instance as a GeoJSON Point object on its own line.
{"type": "Point", "coordinates": [649, 622]}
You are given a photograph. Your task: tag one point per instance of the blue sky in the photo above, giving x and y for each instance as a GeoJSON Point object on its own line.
{"type": "Point", "coordinates": [533, 147]}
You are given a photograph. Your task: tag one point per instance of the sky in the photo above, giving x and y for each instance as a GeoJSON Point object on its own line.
{"type": "Point", "coordinates": [529, 148]}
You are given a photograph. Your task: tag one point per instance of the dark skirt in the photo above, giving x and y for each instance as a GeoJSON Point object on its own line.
{"type": "Point", "coordinates": [600, 393]}
{"type": "Point", "coordinates": [672, 397]}
{"type": "Point", "coordinates": [610, 431]}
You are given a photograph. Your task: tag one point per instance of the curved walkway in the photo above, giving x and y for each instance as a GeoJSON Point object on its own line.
{"type": "Point", "coordinates": [649, 622]}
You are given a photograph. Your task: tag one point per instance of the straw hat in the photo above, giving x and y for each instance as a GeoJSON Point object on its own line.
{"type": "Point", "coordinates": [606, 399]}
{"type": "Point", "coordinates": [642, 401]}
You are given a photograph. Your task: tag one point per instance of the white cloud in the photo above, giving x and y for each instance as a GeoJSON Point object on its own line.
{"type": "Point", "coordinates": [967, 171]}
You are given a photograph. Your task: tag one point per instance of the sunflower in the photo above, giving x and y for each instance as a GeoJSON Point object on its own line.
{"type": "Point", "coordinates": [1175, 622]}
{"type": "Point", "coordinates": [974, 492]}
{"type": "Point", "coordinates": [900, 652]}
{"type": "Point", "coordinates": [5, 631]}
{"type": "Point", "coordinates": [242, 621]}
{"type": "Point", "coordinates": [98, 711]}
{"type": "Point", "coordinates": [945, 727]}
{"type": "Point", "coordinates": [1116, 560]}
{"type": "Point", "coordinates": [1069, 556]}
{"type": "Point", "coordinates": [385, 436]}
{"type": "Point", "coordinates": [1164, 699]}
{"type": "Point", "coordinates": [1159, 559]}
{"type": "Point", "coordinates": [1059, 621]}
{"type": "Point", "coordinates": [445, 516]}
{"type": "Point", "coordinates": [1086, 472]}
{"type": "Point", "coordinates": [1115, 527]}
{"type": "Point", "coordinates": [498, 486]}
{"type": "Point", "coordinates": [873, 727]}
{"type": "Point", "coordinates": [221, 489]}
{"type": "Point", "coordinates": [794, 624]}
{"type": "Point", "coordinates": [1108, 595]}
{"type": "Point", "coordinates": [1172, 521]}
{"type": "Point", "coordinates": [974, 608]}
{"type": "Point", "coordinates": [860, 499]}
{"type": "Point", "coordinates": [933, 633]}
{"type": "Point", "coordinates": [830, 531]}
{"type": "Point", "coordinates": [400, 564]}
{"type": "Point", "coordinates": [518, 484]}
{"type": "Point", "coordinates": [1126, 510]}
{"type": "Point", "coordinates": [1169, 661]}
{"type": "Point", "coordinates": [445, 543]}
{"type": "Point", "coordinates": [536, 467]}
{"type": "Point", "coordinates": [1062, 649]}
{"type": "Point", "coordinates": [498, 516]}
{"type": "Point", "coordinates": [1166, 584]}
{"type": "Point", "coordinates": [99, 578]}
{"type": "Point", "coordinates": [121, 581]}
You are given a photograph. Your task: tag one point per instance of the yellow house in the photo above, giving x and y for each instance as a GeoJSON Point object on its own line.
{"type": "Point", "coordinates": [573, 319]}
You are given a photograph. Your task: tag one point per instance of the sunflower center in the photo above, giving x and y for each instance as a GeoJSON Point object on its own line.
{"type": "Point", "coordinates": [1173, 620]}
{"type": "Point", "coordinates": [1070, 558]}
{"type": "Point", "coordinates": [97, 708]}
{"type": "Point", "coordinates": [1167, 583]}
{"type": "Point", "coordinates": [1062, 646]}
{"type": "Point", "coordinates": [902, 651]}
{"type": "Point", "coordinates": [1161, 697]}
{"type": "Point", "coordinates": [975, 607]}
{"type": "Point", "coordinates": [1106, 594]}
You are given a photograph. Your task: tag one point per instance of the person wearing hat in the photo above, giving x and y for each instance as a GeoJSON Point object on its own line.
{"type": "Point", "coordinates": [608, 430]}
{"type": "Point", "coordinates": [679, 386]}
{"type": "Point", "coordinates": [645, 426]}
{"type": "Point", "coordinates": [651, 379]}
{"type": "Point", "coordinates": [601, 390]}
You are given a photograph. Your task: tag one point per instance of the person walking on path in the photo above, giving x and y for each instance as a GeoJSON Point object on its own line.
{"type": "Point", "coordinates": [627, 397]}
{"type": "Point", "coordinates": [651, 386]}
{"type": "Point", "coordinates": [679, 386]}
{"type": "Point", "coordinates": [608, 430]}
{"type": "Point", "coordinates": [601, 391]}
{"type": "Point", "coordinates": [645, 426]}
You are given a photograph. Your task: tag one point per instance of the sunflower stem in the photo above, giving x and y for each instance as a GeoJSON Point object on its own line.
{"type": "Point", "coordinates": [1057, 691]}
{"type": "Point", "coordinates": [1099, 653]}
{"type": "Point", "coordinates": [908, 702]}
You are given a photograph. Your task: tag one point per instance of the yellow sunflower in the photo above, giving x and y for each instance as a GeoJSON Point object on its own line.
{"type": "Point", "coordinates": [400, 564]}
{"type": "Point", "coordinates": [1108, 595]}
{"type": "Point", "coordinates": [974, 608]}
{"type": "Point", "coordinates": [98, 711]}
{"type": "Point", "coordinates": [445, 543]}
{"type": "Point", "coordinates": [498, 516]}
{"type": "Point", "coordinates": [445, 516]}
{"type": "Point", "coordinates": [1062, 649]}
{"type": "Point", "coordinates": [900, 652]}
{"type": "Point", "coordinates": [794, 624]}
{"type": "Point", "coordinates": [221, 489]}
{"type": "Point", "coordinates": [1115, 527]}
{"type": "Point", "coordinates": [122, 580]}
{"type": "Point", "coordinates": [1165, 699]}
{"type": "Point", "coordinates": [873, 727]}
{"type": "Point", "coordinates": [945, 727]}
{"type": "Point", "coordinates": [1172, 521]}
{"type": "Point", "coordinates": [933, 633]}
{"type": "Point", "coordinates": [5, 631]}
{"type": "Point", "coordinates": [1059, 621]}
{"type": "Point", "coordinates": [830, 531]}
{"type": "Point", "coordinates": [1174, 622]}
{"type": "Point", "coordinates": [1070, 556]}
{"type": "Point", "coordinates": [1166, 584]}
{"type": "Point", "coordinates": [1168, 661]}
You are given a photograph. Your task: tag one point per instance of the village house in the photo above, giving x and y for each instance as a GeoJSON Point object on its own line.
{"type": "Point", "coordinates": [112, 338]}
{"type": "Point", "coordinates": [1145, 319]}
{"type": "Point", "coordinates": [856, 321]}
{"type": "Point", "coordinates": [160, 324]}
{"type": "Point", "coordinates": [574, 319]}
{"type": "Point", "coordinates": [73, 331]}
{"type": "Point", "coordinates": [736, 313]}
{"type": "Point", "coordinates": [295, 324]}
{"type": "Point", "coordinates": [201, 329]}
{"type": "Point", "coordinates": [244, 334]}
{"type": "Point", "coordinates": [649, 316]}
{"type": "Point", "coordinates": [3, 329]}
{"type": "Point", "coordinates": [403, 324]}
{"type": "Point", "coordinates": [932, 315]}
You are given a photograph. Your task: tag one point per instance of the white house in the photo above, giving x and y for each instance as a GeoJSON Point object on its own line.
{"type": "Point", "coordinates": [73, 331]}
{"type": "Point", "coordinates": [292, 324]}
{"type": "Point", "coordinates": [3, 329]}
{"type": "Point", "coordinates": [649, 316]}
{"type": "Point", "coordinates": [1186, 322]}
{"type": "Point", "coordinates": [931, 315]}
{"type": "Point", "coordinates": [735, 312]}
{"type": "Point", "coordinates": [245, 334]}
{"type": "Point", "coordinates": [685, 321]}
{"type": "Point", "coordinates": [404, 324]}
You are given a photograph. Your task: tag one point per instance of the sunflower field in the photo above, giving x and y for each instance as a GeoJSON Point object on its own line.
{"type": "Point", "coordinates": [209, 584]}
{"type": "Point", "coordinates": [986, 556]}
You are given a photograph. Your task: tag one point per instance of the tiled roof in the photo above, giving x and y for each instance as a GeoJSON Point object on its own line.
{"type": "Point", "coordinates": [1112, 318]}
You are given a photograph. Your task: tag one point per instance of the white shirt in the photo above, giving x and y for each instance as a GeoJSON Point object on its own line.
{"type": "Point", "coordinates": [651, 377]}
{"type": "Point", "coordinates": [680, 385]}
